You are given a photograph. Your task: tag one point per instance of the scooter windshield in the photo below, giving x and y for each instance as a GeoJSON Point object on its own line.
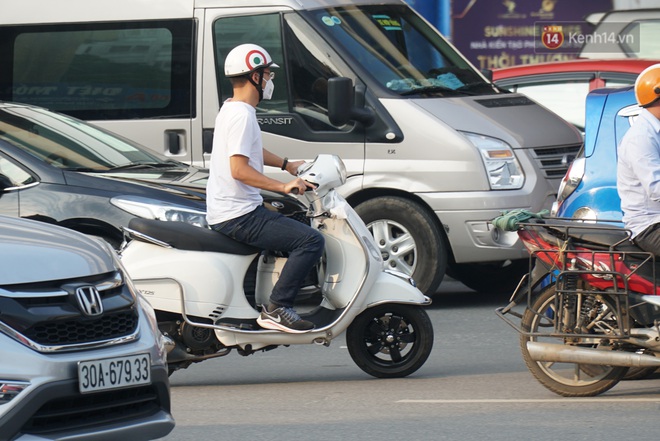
{"type": "Point", "coordinates": [400, 50]}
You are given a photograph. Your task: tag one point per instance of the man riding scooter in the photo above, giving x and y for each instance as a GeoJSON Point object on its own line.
{"type": "Point", "coordinates": [234, 203]}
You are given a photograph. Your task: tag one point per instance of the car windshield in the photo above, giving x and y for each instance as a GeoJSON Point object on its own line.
{"type": "Point", "coordinates": [400, 50]}
{"type": "Point", "coordinates": [69, 143]}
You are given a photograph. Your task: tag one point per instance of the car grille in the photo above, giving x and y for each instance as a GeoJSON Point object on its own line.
{"type": "Point", "coordinates": [111, 407]}
{"type": "Point", "coordinates": [49, 315]}
{"type": "Point", "coordinates": [66, 332]}
{"type": "Point", "coordinates": [554, 161]}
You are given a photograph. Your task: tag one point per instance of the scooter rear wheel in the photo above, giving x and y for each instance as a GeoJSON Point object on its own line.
{"type": "Point", "coordinates": [391, 340]}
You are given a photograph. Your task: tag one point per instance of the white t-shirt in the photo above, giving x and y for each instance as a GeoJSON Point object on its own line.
{"type": "Point", "coordinates": [236, 132]}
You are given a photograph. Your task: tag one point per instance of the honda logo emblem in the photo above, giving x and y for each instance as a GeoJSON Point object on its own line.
{"type": "Point", "coordinates": [89, 300]}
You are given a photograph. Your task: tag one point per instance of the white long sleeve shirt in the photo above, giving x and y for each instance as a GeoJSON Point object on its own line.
{"type": "Point", "coordinates": [638, 173]}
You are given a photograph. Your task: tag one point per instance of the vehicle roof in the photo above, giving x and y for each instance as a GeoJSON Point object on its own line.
{"type": "Point", "coordinates": [613, 91]}
{"type": "Point", "coordinates": [579, 65]}
{"type": "Point", "coordinates": [47, 11]}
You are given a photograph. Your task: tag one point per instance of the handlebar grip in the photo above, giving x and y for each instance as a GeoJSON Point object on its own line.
{"type": "Point", "coordinates": [295, 190]}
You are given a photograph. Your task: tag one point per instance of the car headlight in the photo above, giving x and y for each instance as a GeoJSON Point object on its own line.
{"type": "Point", "coordinates": [154, 209]}
{"type": "Point", "coordinates": [504, 171]}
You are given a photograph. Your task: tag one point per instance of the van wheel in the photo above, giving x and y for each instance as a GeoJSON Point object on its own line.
{"type": "Point", "coordinates": [492, 278]}
{"type": "Point", "coordinates": [408, 239]}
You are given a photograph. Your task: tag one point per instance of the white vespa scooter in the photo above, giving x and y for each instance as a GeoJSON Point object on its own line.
{"type": "Point", "coordinates": [193, 277]}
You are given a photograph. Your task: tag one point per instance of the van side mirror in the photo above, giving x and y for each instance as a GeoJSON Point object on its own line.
{"type": "Point", "coordinates": [341, 103]}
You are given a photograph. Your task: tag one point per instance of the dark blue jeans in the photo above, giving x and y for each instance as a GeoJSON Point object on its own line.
{"type": "Point", "coordinates": [273, 231]}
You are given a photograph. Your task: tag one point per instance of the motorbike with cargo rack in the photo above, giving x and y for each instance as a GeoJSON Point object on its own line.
{"type": "Point", "coordinates": [588, 311]}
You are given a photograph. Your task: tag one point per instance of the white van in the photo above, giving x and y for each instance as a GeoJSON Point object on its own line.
{"type": "Point", "coordinates": [432, 148]}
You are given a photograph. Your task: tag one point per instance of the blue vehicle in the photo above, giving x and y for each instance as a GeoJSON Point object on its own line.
{"type": "Point", "coordinates": [588, 190]}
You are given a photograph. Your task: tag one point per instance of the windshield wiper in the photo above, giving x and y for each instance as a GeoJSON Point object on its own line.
{"type": "Point", "coordinates": [142, 165]}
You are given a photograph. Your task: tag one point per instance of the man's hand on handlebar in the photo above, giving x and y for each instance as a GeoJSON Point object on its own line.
{"type": "Point", "coordinates": [292, 166]}
{"type": "Point", "coordinates": [298, 186]}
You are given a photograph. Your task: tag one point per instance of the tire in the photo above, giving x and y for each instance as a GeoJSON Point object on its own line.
{"type": "Point", "coordinates": [395, 221]}
{"type": "Point", "coordinates": [640, 373]}
{"type": "Point", "coordinates": [566, 379]}
{"type": "Point", "coordinates": [490, 278]}
{"type": "Point", "coordinates": [391, 340]}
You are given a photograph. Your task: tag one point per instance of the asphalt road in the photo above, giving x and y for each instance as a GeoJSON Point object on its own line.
{"type": "Point", "coordinates": [474, 386]}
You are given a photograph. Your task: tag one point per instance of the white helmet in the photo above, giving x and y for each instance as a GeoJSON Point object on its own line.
{"type": "Point", "coordinates": [247, 58]}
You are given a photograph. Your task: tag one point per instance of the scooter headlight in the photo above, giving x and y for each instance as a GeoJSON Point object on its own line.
{"type": "Point", "coordinates": [326, 171]}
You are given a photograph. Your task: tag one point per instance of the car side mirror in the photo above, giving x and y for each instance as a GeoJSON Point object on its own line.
{"type": "Point", "coordinates": [341, 103]}
{"type": "Point", "coordinates": [5, 182]}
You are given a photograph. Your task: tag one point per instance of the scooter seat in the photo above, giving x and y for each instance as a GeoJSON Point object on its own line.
{"type": "Point", "coordinates": [184, 236]}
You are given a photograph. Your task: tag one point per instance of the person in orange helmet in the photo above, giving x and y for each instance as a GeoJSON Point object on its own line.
{"type": "Point", "coordinates": [638, 165]}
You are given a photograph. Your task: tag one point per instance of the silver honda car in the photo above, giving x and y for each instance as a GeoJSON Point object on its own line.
{"type": "Point", "coordinates": [81, 357]}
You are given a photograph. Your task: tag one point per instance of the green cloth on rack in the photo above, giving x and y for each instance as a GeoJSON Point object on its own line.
{"type": "Point", "coordinates": [509, 220]}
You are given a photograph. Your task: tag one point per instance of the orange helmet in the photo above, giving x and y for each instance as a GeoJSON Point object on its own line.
{"type": "Point", "coordinates": [647, 86]}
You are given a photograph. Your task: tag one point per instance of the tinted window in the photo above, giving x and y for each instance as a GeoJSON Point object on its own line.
{"type": "Point", "coordinates": [301, 80]}
{"type": "Point", "coordinates": [68, 143]}
{"type": "Point", "coordinates": [100, 71]}
{"type": "Point", "coordinates": [12, 175]}
{"type": "Point", "coordinates": [263, 30]}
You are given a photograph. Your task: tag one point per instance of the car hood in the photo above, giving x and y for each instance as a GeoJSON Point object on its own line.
{"type": "Point", "coordinates": [179, 185]}
{"type": "Point", "coordinates": [32, 251]}
{"type": "Point", "coordinates": [513, 118]}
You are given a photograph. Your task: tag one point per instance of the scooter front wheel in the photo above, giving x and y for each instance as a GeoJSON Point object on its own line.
{"type": "Point", "coordinates": [391, 340]}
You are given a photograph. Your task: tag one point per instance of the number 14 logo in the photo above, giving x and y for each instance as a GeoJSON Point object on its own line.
{"type": "Point", "coordinates": [552, 37]}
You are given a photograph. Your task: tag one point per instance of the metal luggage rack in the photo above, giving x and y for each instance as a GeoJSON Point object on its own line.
{"type": "Point", "coordinates": [565, 274]}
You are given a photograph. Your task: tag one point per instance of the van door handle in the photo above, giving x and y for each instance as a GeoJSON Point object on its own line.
{"type": "Point", "coordinates": [207, 140]}
{"type": "Point", "coordinates": [173, 142]}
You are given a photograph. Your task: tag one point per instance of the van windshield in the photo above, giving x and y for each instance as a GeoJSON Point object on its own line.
{"type": "Point", "coordinates": [399, 49]}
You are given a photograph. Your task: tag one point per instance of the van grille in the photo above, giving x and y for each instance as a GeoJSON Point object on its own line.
{"type": "Point", "coordinates": [49, 315]}
{"type": "Point", "coordinates": [554, 161]}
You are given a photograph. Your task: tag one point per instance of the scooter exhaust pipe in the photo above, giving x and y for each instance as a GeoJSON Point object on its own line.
{"type": "Point", "coordinates": [553, 352]}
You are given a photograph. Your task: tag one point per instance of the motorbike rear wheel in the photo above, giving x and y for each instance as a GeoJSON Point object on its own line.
{"type": "Point", "coordinates": [391, 340]}
{"type": "Point", "coordinates": [566, 379]}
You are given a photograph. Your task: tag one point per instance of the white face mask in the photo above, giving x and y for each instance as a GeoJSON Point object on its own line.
{"type": "Point", "coordinates": [268, 90]}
